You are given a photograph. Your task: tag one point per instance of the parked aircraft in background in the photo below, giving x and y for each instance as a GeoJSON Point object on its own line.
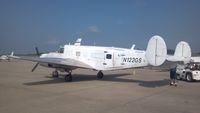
{"type": "Point", "coordinates": [6, 57]}
{"type": "Point", "coordinates": [3, 57]}
{"type": "Point", "coordinates": [101, 58]}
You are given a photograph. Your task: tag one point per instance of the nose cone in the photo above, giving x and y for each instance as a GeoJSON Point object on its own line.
{"type": "Point", "coordinates": [43, 55]}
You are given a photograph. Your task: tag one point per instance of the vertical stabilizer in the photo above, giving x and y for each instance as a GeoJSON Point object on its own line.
{"type": "Point", "coordinates": [156, 51]}
{"type": "Point", "coordinates": [12, 53]}
{"type": "Point", "coordinates": [183, 51]}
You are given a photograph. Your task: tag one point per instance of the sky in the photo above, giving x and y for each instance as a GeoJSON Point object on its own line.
{"type": "Point", "coordinates": [47, 24]}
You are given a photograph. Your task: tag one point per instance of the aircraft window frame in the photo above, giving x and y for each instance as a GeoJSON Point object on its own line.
{"type": "Point", "coordinates": [108, 56]}
{"type": "Point", "coordinates": [61, 50]}
{"type": "Point", "coordinates": [78, 53]}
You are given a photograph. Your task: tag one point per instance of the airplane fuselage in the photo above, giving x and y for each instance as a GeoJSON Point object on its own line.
{"type": "Point", "coordinates": [102, 58]}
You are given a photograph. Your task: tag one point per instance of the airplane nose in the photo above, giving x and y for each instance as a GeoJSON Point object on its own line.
{"type": "Point", "coordinates": [43, 55]}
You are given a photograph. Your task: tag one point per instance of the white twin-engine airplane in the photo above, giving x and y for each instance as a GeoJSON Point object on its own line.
{"type": "Point", "coordinates": [98, 58]}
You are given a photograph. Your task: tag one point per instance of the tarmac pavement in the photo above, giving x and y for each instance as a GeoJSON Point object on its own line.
{"type": "Point", "coordinates": [123, 91]}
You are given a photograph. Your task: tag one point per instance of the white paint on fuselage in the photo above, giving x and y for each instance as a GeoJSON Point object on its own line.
{"type": "Point", "coordinates": [102, 58]}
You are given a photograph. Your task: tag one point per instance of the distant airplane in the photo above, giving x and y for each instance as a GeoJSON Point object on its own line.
{"type": "Point", "coordinates": [99, 58]}
{"type": "Point", "coordinates": [6, 57]}
{"type": "Point", "coordinates": [3, 57]}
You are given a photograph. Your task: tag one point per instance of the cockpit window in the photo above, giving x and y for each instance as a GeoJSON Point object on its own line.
{"type": "Point", "coordinates": [61, 50]}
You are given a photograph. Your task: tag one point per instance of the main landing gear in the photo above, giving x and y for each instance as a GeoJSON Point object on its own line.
{"type": "Point", "coordinates": [100, 75]}
{"type": "Point", "coordinates": [55, 74]}
{"type": "Point", "coordinates": [68, 77]}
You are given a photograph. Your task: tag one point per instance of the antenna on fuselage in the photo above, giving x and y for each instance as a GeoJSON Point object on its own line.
{"type": "Point", "coordinates": [133, 47]}
{"type": "Point", "coordinates": [78, 42]}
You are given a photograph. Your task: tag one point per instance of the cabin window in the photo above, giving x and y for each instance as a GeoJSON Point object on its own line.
{"type": "Point", "coordinates": [108, 56]}
{"type": "Point", "coordinates": [61, 50]}
{"type": "Point", "coordinates": [78, 53]}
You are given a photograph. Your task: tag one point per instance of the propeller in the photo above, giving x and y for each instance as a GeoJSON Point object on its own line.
{"type": "Point", "coordinates": [38, 54]}
{"type": "Point", "coordinates": [37, 51]}
{"type": "Point", "coordinates": [36, 65]}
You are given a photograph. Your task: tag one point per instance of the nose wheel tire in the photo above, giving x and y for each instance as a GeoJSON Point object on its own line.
{"type": "Point", "coordinates": [55, 74]}
{"type": "Point", "coordinates": [100, 75]}
{"type": "Point", "coordinates": [68, 78]}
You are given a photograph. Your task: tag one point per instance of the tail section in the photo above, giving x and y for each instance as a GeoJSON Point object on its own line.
{"type": "Point", "coordinates": [183, 50]}
{"type": "Point", "coordinates": [182, 53]}
{"type": "Point", "coordinates": [12, 53]}
{"type": "Point", "coordinates": [156, 51]}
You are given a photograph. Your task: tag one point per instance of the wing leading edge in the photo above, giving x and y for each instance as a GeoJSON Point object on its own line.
{"type": "Point", "coordinates": [62, 62]}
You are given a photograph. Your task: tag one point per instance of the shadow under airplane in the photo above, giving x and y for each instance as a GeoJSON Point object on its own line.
{"type": "Point", "coordinates": [108, 77]}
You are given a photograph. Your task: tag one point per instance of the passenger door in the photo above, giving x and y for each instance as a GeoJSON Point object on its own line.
{"type": "Point", "coordinates": [118, 60]}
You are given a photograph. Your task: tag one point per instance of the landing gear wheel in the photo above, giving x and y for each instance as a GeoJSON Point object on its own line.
{"type": "Point", "coordinates": [55, 74]}
{"type": "Point", "coordinates": [99, 75]}
{"type": "Point", "coordinates": [68, 78]}
{"type": "Point", "coordinates": [189, 77]}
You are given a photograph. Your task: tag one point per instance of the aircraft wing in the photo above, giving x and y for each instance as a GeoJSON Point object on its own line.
{"type": "Point", "coordinates": [61, 62]}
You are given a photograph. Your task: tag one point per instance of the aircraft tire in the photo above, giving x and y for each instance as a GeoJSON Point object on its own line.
{"type": "Point", "coordinates": [68, 78]}
{"type": "Point", "coordinates": [100, 75]}
{"type": "Point", "coordinates": [55, 74]}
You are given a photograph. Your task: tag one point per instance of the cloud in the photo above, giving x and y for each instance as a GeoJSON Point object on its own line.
{"type": "Point", "coordinates": [53, 42]}
{"type": "Point", "coordinates": [88, 30]}
{"type": "Point", "coordinates": [94, 29]}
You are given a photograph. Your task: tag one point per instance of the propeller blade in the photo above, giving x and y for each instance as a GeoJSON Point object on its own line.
{"type": "Point", "coordinates": [36, 65]}
{"type": "Point", "coordinates": [37, 51]}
